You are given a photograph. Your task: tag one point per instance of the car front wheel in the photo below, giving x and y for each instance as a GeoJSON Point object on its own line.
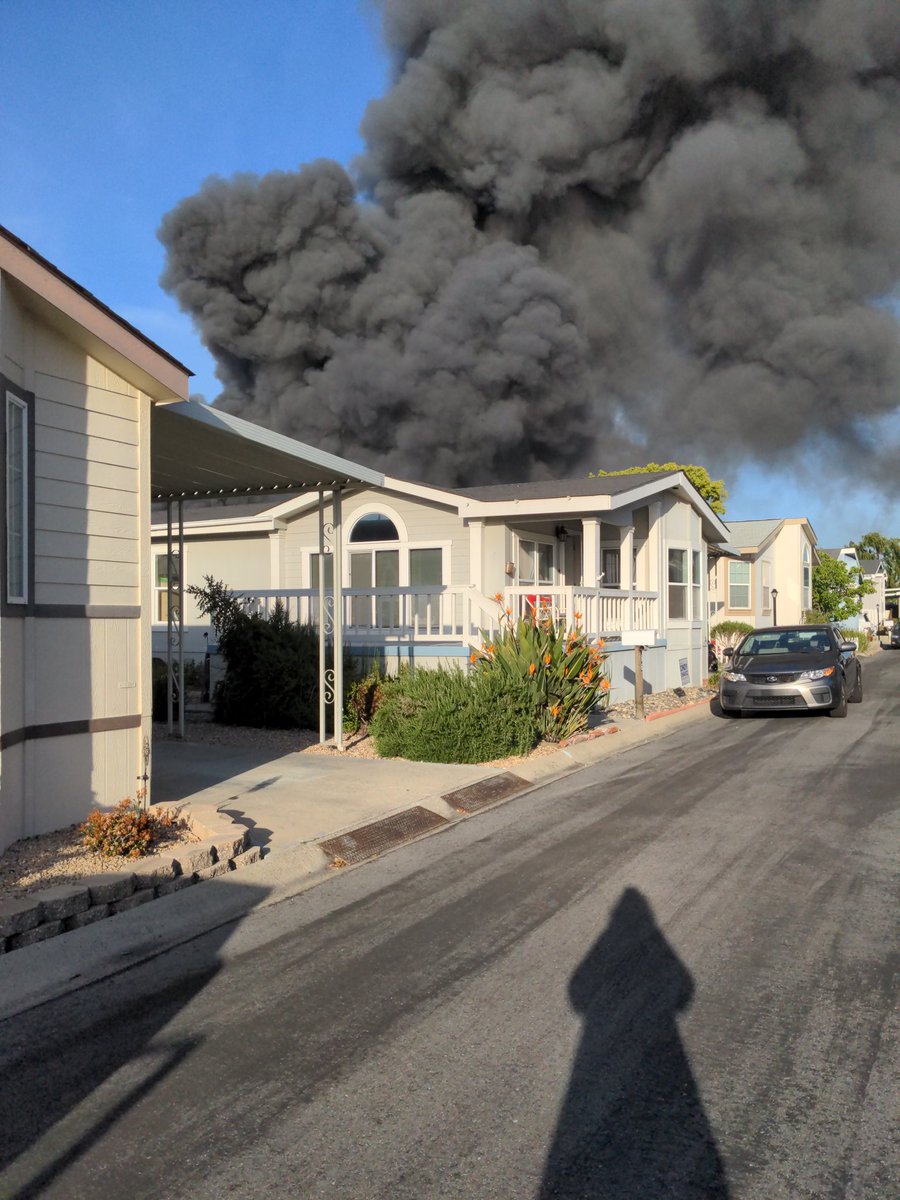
{"type": "Point", "coordinates": [839, 709]}
{"type": "Point", "coordinates": [856, 695]}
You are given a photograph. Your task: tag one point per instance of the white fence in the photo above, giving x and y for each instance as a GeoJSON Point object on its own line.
{"type": "Point", "coordinates": [440, 614]}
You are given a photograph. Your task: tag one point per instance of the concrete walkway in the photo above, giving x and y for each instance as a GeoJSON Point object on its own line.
{"type": "Point", "coordinates": [290, 803]}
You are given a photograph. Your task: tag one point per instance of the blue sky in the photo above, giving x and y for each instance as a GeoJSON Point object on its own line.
{"type": "Point", "coordinates": [113, 112]}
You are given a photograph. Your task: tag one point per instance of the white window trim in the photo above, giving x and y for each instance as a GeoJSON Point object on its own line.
{"type": "Point", "coordinates": [748, 607]}
{"type": "Point", "coordinates": [686, 547]}
{"type": "Point", "coordinates": [765, 585]}
{"type": "Point", "coordinates": [697, 585]}
{"type": "Point", "coordinates": [158, 551]}
{"type": "Point", "coordinates": [14, 401]}
{"type": "Point", "coordinates": [403, 548]}
{"type": "Point", "coordinates": [539, 539]}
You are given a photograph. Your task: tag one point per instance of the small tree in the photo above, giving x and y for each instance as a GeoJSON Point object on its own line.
{"type": "Point", "coordinates": [836, 591]}
{"type": "Point", "coordinates": [871, 545]}
{"type": "Point", "coordinates": [712, 490]}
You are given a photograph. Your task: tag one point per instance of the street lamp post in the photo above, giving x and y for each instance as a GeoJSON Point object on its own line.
{"type": "Point", "coordinates": [774, 606]}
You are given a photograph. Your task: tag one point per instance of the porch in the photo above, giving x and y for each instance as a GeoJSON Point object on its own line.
{"type": "Point", "coordinates": [442, 614]}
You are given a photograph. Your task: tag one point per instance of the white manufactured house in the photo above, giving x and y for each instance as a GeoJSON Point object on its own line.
{"type": "Point", "coordinates": [423, 567]}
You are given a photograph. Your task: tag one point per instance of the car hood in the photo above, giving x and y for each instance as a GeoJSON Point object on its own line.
{"type": "Point", "coordinates": [781, 664]}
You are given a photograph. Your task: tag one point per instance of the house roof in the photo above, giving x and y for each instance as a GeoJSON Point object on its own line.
{"type": "Point", "coordinates": [752, 534]}
{"type": "Point", "coordinates": [871, 566]}
{"type": "Point", "coordinates": [197, 451]}
{"type": "Point", "coordinates": [62, 303]}
{"type": "Point", "coordinates": [553, 489]}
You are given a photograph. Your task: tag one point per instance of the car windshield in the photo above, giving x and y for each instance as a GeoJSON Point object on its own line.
{"type": "Point", "coordinates": [785, 641]}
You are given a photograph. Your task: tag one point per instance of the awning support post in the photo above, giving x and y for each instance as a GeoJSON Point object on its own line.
{"type": "Point", "coordinates": [338, 673]}
{"type": "Point", "coordinates": [174, 622]}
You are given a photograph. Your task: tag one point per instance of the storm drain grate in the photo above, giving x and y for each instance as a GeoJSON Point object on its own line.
{"type": "Point", "coordinates": [487, 791]}
{"type": "Point", "coordinates": [372, 840]}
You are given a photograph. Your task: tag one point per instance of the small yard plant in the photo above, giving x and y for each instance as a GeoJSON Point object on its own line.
{"type": "Point", "coordinates": [127, 831]}
{"type": "Point", "coordinates": [728, 633]}
{"type": "Point", "coordinates": [561, 670]}
{"type": "Point", "coordinates": [362, 700]}
{"type": "Point", "coordinates": [446, 716]}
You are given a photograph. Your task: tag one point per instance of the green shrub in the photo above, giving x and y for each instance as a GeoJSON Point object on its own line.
{"type": "Point", "coordinates": [855, 635]}
{"type": "Point", "coordinates": [559, 667]}
{"type": "Point", "coordinates": [446, 716]}
{"type": "Point", "coordinates": [812, 616]}
{"type": "Point", "coordinates": [728, 633]}
{"type": "Point", "coordinates": [271, 663]}
{"type": "Point", "coordinates": [128, 831]}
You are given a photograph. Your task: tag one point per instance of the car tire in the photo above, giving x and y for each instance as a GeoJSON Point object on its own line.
{"type": "Point", "coordinates": [840, 709]}
{"type": "Point", "coordinates": [856, 695]}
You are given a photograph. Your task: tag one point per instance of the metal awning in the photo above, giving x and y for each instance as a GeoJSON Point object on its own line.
{"type": "Point", "coordinates": [196, 450]}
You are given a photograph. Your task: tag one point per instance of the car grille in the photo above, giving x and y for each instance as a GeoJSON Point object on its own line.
{"type": "Point", "coordinates": [766, 701]}
{"type": "Point", "coordinates": [774, 677]}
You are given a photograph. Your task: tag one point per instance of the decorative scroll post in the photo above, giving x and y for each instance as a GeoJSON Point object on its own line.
{"type": "Point", "coordinates": [338, 665]}
{"type": "Point", "coordinates": [174, 622]}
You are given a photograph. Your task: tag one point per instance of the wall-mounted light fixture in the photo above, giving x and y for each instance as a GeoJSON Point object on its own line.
{"type": "Point", "coordinates": [562, 533]}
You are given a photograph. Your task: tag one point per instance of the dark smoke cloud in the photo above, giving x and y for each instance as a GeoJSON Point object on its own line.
{"type": "Point", "coordinates": [594, 232]}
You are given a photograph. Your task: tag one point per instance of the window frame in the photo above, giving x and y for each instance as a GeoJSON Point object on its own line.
{"type": "Point", "coordinates": [18, 605]}
{"type": "Point", "coordinates": [685, 585]}
{"type": "Point", "coordinates": [740, 562]}
{"type": "Point", "coordinates": [535, 540]}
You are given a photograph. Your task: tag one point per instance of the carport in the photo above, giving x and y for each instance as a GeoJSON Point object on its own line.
{"type": "Point", "coordinates": [196, 452]}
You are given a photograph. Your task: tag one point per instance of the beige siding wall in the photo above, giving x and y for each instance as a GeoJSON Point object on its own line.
{"type": "Point", "coordinates": [56, 668]}
{"type": "Point", "coordinates": [241, 561]}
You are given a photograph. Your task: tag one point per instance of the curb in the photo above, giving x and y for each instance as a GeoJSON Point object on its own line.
{"type": "Point", "coordinates": [671, 712]}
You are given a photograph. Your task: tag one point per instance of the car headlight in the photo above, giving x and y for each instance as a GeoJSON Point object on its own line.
{"type": "Point", "coordinates": [823, 674]}
{"type": "Point", "coordinates": [734, 677]}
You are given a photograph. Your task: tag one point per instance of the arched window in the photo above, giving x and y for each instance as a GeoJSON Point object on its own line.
{"type": "Point", "coordinates": [374, 527]}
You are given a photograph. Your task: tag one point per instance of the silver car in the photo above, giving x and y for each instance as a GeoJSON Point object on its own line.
{"type": "Point", "coordinates": [800, 667]}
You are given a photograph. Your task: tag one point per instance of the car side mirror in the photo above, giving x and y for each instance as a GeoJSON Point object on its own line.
{"type": "Point", "coordinates": [728, 651]}
{"type": "Point", "coordinates": [851, 646]}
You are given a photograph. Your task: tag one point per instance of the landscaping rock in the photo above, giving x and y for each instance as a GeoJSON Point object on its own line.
{"type": "Point", "coordinates": [107, 889]}
{"type": "Point", "coordinates": [135, 900]}
{"type": "Point", "coordinates": [98, 913]}
{"type": "Point", "coordinates": [39, 934]}
{"type": "Point", "coordinates": [219, 868]}
{"type": "Point", "coordinates": [154, 872]}
{"type": "Point", "coordinates": [63, 901]}
{"type": "Point", "coordinates": [196, 857]}
{"type": "Point", "coordinates": [18, 916]}
{"type": "Point", "coordinates": [249, 856]}
{"type": "Point", "coordinates": [228, 847]}
{"type": "Point", "coordinates": [176, 884]}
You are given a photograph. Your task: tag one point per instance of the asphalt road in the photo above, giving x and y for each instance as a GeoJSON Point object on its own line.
{"type": "Point", "coordinates": [671, 975]}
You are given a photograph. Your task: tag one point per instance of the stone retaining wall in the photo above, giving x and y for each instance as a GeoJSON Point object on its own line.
{"type": "Point", "coordinates": [54, 910]}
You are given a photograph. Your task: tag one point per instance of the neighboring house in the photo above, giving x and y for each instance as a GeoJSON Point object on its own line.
{"type": "Point", "coordinates": [623, 555]}
{"type": "Point", "coordinates": [769, 575]}
{"type": "Point", "coordinates": [78, 384]}
{"type": "Point", "coordinates": [874, 571]}
{"type": "Point", "coordinates": [95, 426]}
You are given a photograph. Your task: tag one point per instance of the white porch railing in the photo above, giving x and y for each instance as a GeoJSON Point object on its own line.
{"type": "Point", "coordinates": [440, 614]}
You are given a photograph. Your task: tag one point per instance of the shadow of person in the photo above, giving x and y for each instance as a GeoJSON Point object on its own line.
{"type": "Point", "coordinates": [632, 1125]}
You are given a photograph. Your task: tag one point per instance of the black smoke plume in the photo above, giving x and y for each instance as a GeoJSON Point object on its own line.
{"type": "Point", "coordinates": [592, 232]}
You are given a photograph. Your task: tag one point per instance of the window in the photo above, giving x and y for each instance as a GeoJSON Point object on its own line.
{"type": "Point", "coordinates": [678, 585]}
{"type": "Point", "coordinates": [611, 564]}
{"type": "Point", "coordinates": [16, 500]}
{"type": "Point", "coordinates": [374, 527]}
{"type": "Point", "coordinates": [807, 581]}
{"type": "Point", "coordinates": [696, 584]}
{"type": "Point", "coordinates": [426, 569]}
{"type": "Point", "coordinates": [161, 583]}
{"type": "Point", "coordinates": [535, 556]}
{"type": "Point", "coordinates": [766, 587]}
{"type": "Point", "coordinates": [738, 584]}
